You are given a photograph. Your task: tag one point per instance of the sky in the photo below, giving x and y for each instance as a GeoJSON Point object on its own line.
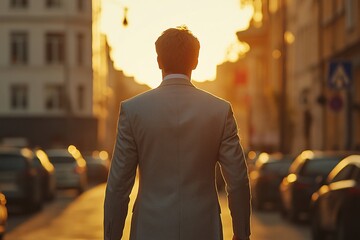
{"type": "Point", "coordinates": [214, 22]}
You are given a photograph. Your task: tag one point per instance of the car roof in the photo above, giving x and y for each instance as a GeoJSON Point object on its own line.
{"type": "Point", "coordinates": [266, 158]}
{"type": "Point", "coordinates": [316, 154]}
{"type": "Point", "coordinates": [352, 159]}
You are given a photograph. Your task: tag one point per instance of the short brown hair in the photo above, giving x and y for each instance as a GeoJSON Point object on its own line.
{"type": "Point", "coordinates": [178, 49]}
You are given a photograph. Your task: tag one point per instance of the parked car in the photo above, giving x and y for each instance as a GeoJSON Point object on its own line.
{"type": "Point", "coordinates": [20, 180]}
{"type": "Point", "coordinates": [336, 205]}
{"type": "Point", "coordinates": [306, 174]}
{"type": "Point", "coordinates": [3, 215]}
{"type": "Point", "coordinates": [266, 177]}
{"type": "Point", "coordinates": [98, 165]}
{"type": "Point", "coordinates": [47, 174]}
{"type": "Point", "coordinates": [70, 168]}
{"type": "Point", "coordinates": [251, 158]}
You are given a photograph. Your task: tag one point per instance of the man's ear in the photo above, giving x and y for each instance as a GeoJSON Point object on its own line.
{"type": "Point", "coordinates": [159, 63]}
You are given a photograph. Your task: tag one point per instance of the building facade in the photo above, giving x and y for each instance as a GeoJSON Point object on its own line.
{"type": "Point", "coordinates": [309, 53]}
{"type": "Point", "coordinates": [327, 35]}
{"type": "Point", "coordinates": [339, 28]}
{"type": "Point", "coordinates": [46, 81]}
{"type": "Point", "coordinates": [262, 90]}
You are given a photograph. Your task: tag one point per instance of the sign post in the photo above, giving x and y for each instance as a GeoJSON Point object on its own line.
{"type": "Point", "coordinates": [339, 75]}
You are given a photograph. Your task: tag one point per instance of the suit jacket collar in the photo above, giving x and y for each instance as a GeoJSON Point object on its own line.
{"type": "Point", "coordinates": [176, 81]}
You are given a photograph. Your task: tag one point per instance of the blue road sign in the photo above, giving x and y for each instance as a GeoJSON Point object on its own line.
{"type": "Point", "coordinates": [340, 74]}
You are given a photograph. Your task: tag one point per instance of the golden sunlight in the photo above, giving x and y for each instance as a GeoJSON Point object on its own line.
{"type": "Point", "coordinates": [214, 22]}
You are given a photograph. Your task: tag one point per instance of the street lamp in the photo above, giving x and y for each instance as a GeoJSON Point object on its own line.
{"type": "Point", "coordinates": [125, 22]}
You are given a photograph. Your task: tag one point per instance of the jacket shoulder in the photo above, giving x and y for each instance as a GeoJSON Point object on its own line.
{"type": "Point", "coordinates": [138, 98]}
{"type": "Point", "coordinates": [211, 98]}
{"type": "Point", "coordinates": [200, 96]}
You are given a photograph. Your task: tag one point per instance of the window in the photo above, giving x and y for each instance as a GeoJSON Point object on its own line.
{"type": "Point", "coordinates": [19, 48]}
{"type": "Point", "coordinates": [81, 97]}
{"type": "Point", "coordinates": [273, 6]}
{"type": "Point", "coordinates": [19, 96]}
{"type": "Point", "coordinates": [319, 166]}
{"type": "Point", "coordinates": [54, 98]}
{"type": "Point", "coordinates": [53, 3]}
{"type": "Point", "coordinates": [350, 14]}
{"type": "Point", "coordinates": [344, 174]}
{"type": "Point", "coordinates": [19, 3]}
{"type": "Point", "coordinates": [327, 11]}
{"type": "Point", "coordinates": [80, 5]}
{"type": "Point", "coordinates": [80, 48]}
{"type": "Point", "coordinates": [55, 48]}
{"type": "Point", "coordinates": [62, 159]}
{"type": "Point", "coordinates": [356, 176]}
{"type": "Point", "coordinates": [12, 162]}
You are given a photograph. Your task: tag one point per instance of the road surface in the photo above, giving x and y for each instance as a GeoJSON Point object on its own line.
{"type": "Point", "coordinates": [80, 218]}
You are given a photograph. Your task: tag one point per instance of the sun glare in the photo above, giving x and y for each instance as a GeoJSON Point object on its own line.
{"type": "Point", "coordinates": [214, 22]}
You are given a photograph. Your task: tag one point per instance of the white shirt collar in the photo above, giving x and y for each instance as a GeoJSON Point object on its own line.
{"type": "Point", "coordinates": [177, 75]}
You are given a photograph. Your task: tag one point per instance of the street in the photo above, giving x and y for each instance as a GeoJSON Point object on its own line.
{"type": "Point", "coordinates": [271, 87]}
{"type": "Point", "coordinates": [80, 217]}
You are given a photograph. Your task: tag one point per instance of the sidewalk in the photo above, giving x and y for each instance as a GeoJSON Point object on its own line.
{"type": "Point", "coordinates": [83, 220]}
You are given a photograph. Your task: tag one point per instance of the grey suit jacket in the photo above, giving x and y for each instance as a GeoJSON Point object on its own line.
{"type": "Point", "coordinates": [175, 134]}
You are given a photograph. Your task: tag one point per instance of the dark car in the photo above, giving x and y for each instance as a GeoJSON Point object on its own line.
{"type": "Point", "coordinates": [3, 215]}
{"type": "Point", "coordinates": [266, 177]}
{"type": "Point", "coordinates": [70, 168]}
{"type": "Point", "coordinates": [47, 174]}
{"type": "Point", "coordinates": [306, 174]}
{"type": "Point", "coordinates": [20, 180]}
{"type": "Point", "coordinates": [336, 205]}
{"type": "Point", "coordinates": [98, 165]}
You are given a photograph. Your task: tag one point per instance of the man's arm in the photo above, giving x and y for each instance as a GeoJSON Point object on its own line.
{"type": "Point", "coordinates": [234, 170]}
{"type": "Point", "coordinates": [121, 179]}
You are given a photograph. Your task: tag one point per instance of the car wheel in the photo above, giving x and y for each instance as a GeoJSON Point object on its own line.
{"type": "Point", "coordinates": [345, 229]}
{"type": "Point", "coordinates": [32, 205]}
{"type": "Point", "coordinates": [293, 215]}
{"type": "Point", "coordinates": [316, 231]}
{"type": "Point", "coordinates": [51, 196]}
{"type": "Point", "coordinates": [80, 190]}
{"type": "Point", "coordinates": [36, 206]}
{"type": "Point", "coordinates": [39, 203]}
{"type": "Point", "coordinates": [283, 212]}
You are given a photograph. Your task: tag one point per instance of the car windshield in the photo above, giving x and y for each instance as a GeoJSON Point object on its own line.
{"type": "Point", "coordinates": [93, 159]}
{"type": "Point", "coordinates": [11, 162]}
{"type": "Point", "coordinates": [320, 166]}
{"type": "Point", "coordinates": [280, 167]}
{"type": "Point", "coordinates": [61, 159]}
{"type": "Point", "coordinates": [37, 162]}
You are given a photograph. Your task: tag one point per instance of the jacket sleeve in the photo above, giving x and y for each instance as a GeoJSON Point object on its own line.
{"type": "Point", "coordinates": [234, 170]}
{"type": "Point", "coordinates": [121, 178]}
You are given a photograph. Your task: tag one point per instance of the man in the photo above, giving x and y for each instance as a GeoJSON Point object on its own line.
{"type": "Point", "coordinates": [175, 134]}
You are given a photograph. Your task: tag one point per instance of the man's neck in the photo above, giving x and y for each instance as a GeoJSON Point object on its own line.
{"type": "Point", "coordinates": [164, 74]}
{"type": "Point", "coordinates": [176, 76]}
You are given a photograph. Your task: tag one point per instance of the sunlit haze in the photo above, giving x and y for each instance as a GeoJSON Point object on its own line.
{"type": "Point", "coordinates": [214, 22]}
